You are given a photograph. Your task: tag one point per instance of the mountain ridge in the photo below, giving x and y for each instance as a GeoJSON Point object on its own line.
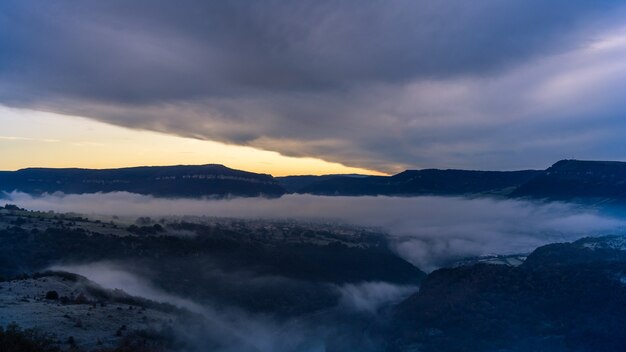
{"type": "Point", "coordinates": [166, 181]}
{"type": "Point", "coordinates": [587, 181]}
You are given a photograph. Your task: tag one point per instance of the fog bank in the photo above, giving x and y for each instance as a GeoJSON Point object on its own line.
{"type": "Point", "coordinates": [427, 231]}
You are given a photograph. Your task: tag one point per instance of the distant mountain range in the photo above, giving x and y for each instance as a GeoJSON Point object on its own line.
{"type": "Point", "coordinates": [422, 182]}
{"type": "Point", "coordinates": [566, 180]}
{"type": "Point", "coordinates": [162, 181]}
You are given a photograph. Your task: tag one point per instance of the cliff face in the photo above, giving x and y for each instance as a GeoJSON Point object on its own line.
{"type": "Point", "coordinates": [575, 179]}
{"type": "Point", "coordinates": [167, 181]}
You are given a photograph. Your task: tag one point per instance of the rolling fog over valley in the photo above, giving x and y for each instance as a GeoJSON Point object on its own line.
{"type": "Point", "coordinates": [427, 231]}
{"type": "Point", "coordinates": [296, 273]}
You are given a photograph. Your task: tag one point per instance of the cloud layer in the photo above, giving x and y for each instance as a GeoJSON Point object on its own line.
{"type": "Point", "coordinates": [378, 84]}
{"type": "Point", "coordinates": [427, 231]}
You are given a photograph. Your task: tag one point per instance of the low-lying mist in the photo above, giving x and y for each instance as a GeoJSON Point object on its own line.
{"type": "Point", "coordinates": [427, 231]}
{"type": "Point", "coordinates": [229, 329]}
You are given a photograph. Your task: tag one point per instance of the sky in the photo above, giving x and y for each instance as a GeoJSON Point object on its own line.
{"type": "Point", "coordinates": [41, 139]}
{"type": "Point", "coordinates": [312, 86]}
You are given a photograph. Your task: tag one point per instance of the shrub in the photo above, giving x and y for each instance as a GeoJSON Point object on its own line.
{"type": "Point", "coordinates": [16, 339]}
{"type": "Point", "coordinates": [53, 295]}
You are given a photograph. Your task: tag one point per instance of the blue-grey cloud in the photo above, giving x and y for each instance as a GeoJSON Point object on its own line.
{"type": "Point", "coordinates": [382, 84]}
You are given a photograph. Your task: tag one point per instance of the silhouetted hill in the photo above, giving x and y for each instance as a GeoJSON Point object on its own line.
{"type": "Point", "coordinates": [295, 184]}
{"type": "Point", "coordinates": [567, 180]}
{"type": "Point", "coordinates": [168, 181]}
{"type": "Point", "coordinates": [424, 182]}
{"type": "Point", "coordinates": [578, 180]}
{"type": "Point", "coordinates": [565, 297]}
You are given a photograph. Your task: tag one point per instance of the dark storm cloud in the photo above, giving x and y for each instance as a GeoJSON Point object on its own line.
{"type": "Point", "coordinates": [381, 84]}
{"type": "Point", "coordinates": [163, 50]}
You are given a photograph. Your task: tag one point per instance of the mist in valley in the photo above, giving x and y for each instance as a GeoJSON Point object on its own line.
{"type": "Point", "coordinates": [427, 231]}
{"type": "Point", "coordinates": [214, 327]}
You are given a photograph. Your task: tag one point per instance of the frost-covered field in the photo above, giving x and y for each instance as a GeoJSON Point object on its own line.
{"type": "Point", "coordinates": [90, 320]}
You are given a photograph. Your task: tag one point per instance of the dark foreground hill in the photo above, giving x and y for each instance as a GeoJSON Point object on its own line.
{"type": "Point", "coordinates": [165, 181]}
{"type": "Point", "coordinates": [564, 297]}
{"type": "Point", "coordinates": [263, 266]}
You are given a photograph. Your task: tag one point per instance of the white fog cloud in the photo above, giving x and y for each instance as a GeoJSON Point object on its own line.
{"type": "Point", "coordinates": [228, 328]}
{"type": "Point", "coordinates": [427, 231]}
{"type": "Point", "coordinates": [370, 296]}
